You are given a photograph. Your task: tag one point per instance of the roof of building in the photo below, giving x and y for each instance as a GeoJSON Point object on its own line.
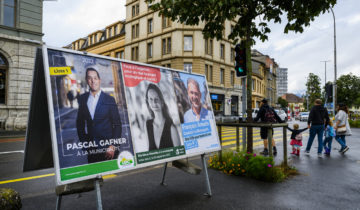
{"type": "Point", "coordinates": [292, 98]}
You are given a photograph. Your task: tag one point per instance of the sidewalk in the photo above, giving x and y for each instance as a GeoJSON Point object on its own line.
{"type": "Point", "coordinates": [324, 183]}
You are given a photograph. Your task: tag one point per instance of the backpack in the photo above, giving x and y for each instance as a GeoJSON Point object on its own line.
{"type": "Point", "coordinates": [270, 116]}
{"type": "Point", "coordinates": [298, 137]}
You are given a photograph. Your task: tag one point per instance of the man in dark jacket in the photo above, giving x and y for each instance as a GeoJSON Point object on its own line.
{"type": "Point", "coordinates": [268, 115]}
{"type": "Point", "coordinates": [318, 120]}
{"type": "Point", "coordinates": [98, 120]}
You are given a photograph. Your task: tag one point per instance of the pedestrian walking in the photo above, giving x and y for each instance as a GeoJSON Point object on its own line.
{"type": "Point", "coordinates": [296, 139]}
{"type": "Point", "coordinates": [342, 126]}
{"type": "Point", "coordinates": [318, 120]}
{"type": "Point", "coordinates": [329, 135]}
{"type": "Point", "coordinates": [268, 115]}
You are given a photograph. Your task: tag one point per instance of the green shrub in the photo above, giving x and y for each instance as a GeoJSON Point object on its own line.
{"type": "Point", "coordinates": [9, 199]}
{"type": "Point", "coordinates": [250, 165]}
{"type": "Point", "coordinates": [354, 123]}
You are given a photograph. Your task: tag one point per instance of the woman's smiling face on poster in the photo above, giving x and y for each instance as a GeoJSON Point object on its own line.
{"type": "Point", "coordinates": [154, 101]}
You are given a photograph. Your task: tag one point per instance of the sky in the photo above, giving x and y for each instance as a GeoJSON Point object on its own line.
{"type": "Point", "coordinates": [65, 21]}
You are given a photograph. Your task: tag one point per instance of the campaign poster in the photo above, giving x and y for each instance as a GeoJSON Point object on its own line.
{"type": "Point", "coordinates": [154, 116]}
{"type": "Point", "coordinates": [196, 114]}
{"type": "Point", "coordinates": [90, 113]}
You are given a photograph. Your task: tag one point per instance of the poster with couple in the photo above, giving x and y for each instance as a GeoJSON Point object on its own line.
{"type": "Point", "coordinates": [108, 115]}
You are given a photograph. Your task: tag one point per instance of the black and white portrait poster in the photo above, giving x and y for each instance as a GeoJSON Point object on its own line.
{"type": "Point", "coordinates": [154, 116]}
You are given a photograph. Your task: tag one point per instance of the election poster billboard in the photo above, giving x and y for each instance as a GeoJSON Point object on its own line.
{"type": "Point", "coordinates": [108, 115]}
{"type": "Point", "coordinates": [90, 115]}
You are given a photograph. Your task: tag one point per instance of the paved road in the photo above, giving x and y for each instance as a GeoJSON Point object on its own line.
{"type": "Point", "coordinates": [324, 183]}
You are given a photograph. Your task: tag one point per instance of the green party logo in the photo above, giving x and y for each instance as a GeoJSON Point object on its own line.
{"type": "Point", "coordinates": [125, 160]}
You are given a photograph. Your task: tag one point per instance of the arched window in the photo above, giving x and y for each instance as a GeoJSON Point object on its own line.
{"type": "Point", "coordinates": [3, 70]}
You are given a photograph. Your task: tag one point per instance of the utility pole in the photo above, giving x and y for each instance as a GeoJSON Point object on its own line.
{"type": "Point", "coordinates": [335, 77]}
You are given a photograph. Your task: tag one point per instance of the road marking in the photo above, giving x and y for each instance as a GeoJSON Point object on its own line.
{"type": "Point", "coordinates": [26, 178]}
{"type": "Point", "coordinates": [9, 152]}
{"type": "Point", "coordinates": [10, 140]}
{"type": "Point", "coordinates": [109, 176]}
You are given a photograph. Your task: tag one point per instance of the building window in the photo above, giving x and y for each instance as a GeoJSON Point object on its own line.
{"type": "Point", "coordinates": [135, 31]}
{"type": "Point", "coordinates": [115, 29]}
{"type": "Point", "coordinates": [222, 76]}
{"type": "Point", "coordinates": [167, 65]}
{"type": "Point", "coordinates": [90, 40]}
{"type": "Point", "coordinates": [208, 72]}
{"type": "Point", "coordinates": [110, 32]}
{"type": "Point", "coordinates": [222, 51]}
{"type": "Point", "coordinates": [166, 22]}
{"type": "Point", "coordinates": [120, 54]}
{"type": "Point", "coordinates": [253, 85]}
{"type": "Point", "coordinates": [232, 53]}
{"type": "Point", "coordinates": [8, 13]}
{"type": "Point", "coordinates": [188, 43]}
{"type": "Point", "coordinates": [3, 70]}
{"type": "Point", "coordinates": [166, 46]}
{"type": "Point", "coordinates": [135, 53]}
{"type": "Point", "coordinates": [149, 50]}
{"type": "Point", "coordinates": [95, 37]}
{"type": "Point", "coordinates": [232, 78]}
{"type": "Point", "coordinates": [135, 10]}
{"type": "Point", "coordinates": [208, 46]}
{"type": "Point", "coordinates": [188, 67]}
{"type": "Point", "coordinates": [150, 25]}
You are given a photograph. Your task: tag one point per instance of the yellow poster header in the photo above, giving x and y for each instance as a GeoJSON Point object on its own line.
{"type": "Point", "coordinates": [62, 70]}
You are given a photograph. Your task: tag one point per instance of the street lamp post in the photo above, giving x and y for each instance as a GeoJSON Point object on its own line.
{"type": "Point", "coordinates": [325, 69]}
{"type": "Point", "coordinates": [334, 85]}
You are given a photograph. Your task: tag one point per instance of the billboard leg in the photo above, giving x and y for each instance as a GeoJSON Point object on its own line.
{"type": "Point", "coordinates": [58, 202]}
{"type": "Point", "coordinates": [208, 188]}
{"type": "Point", "coordinates": [98, 194]}
{"type": "Point", "coordinates": [164, 173]}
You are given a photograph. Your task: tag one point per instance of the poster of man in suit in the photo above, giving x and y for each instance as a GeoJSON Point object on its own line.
{"type": "Point", "coordinates": [94, 127]}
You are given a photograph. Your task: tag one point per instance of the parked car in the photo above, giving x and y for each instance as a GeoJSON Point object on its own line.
{"type": "Point", "coordinates": [304, 116]}
{"type": "Point", "coordinates": [282, 114]}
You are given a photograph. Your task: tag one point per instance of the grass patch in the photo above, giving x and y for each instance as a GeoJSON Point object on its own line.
{"type": "Point", "coordinates": [251, 165]}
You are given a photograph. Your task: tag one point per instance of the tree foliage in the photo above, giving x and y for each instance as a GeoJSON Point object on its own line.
{"type": "Point", "coordinates": [251, 19]}
{"type": "Point", "coordinates": [348, 87]}
{"type": "Point", "coordinates": [283, 103]}
{"type": "Point", "coordinates": [313, 90]}
{"type": "Point", "coordinates": [251, 16]}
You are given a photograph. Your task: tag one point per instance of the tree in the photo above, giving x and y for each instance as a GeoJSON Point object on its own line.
{"type": "Point", "coordinates": [252, 18]}
{"type": "Point", "coordinates": [348, 89]}
{"type": "Point", "coordinates": [313, 90]}
{"type": "Point", "coordinates": [283, 103]}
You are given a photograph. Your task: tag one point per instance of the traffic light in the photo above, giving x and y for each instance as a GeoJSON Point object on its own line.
{"type": "Point", "coordinates": [240, 60]}
{"type": "Point", "coordinates": [329, 91]}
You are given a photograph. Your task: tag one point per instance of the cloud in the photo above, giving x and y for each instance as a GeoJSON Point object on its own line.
{"type": "Point", "coordinates": [282, 44]}
{"type": "Point", "coordinates": [353, 20]}
{"type": "Point", "coordinates": [66, 21]}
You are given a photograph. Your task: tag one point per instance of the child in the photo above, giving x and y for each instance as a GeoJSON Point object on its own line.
{"type": "Point", "coordinates": [329, 134]}
{"type": "Point", "coordinates": [296, 139]}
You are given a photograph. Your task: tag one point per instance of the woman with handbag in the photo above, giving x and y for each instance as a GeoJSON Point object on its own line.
{"type": "Point", "coordinates": [342, 126]}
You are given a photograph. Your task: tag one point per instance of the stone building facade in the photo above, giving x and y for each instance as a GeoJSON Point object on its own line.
{"type": "Point", "coordinates": [20, 35]}
{"type": "Point", "coordinates": [146, 37]}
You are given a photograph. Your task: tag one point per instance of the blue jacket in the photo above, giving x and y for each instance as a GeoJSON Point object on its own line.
{"type": "Point", "coordinates": [106, 123]}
